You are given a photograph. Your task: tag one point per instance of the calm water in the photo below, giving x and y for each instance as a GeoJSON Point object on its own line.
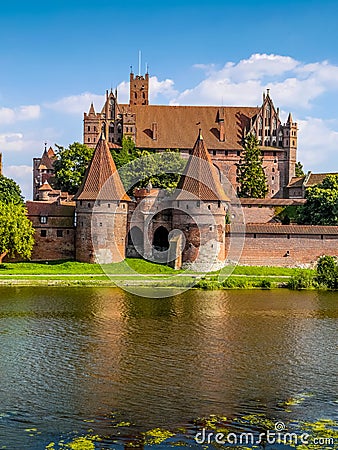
{"type": "Point", "coordinates": [75, 359]}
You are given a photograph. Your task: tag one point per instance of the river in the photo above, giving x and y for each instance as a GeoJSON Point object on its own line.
{"type": "Point", "coordinates": [102, 362]}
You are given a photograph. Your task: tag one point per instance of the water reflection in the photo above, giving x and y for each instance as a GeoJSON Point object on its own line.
{"type": "Point", "coordinates": [76, 354]}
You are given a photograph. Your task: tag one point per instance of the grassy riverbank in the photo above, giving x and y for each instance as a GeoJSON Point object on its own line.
{"type": "Point", "coordinates": [144, 273]}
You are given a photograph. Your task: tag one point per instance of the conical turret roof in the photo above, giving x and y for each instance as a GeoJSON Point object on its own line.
{"type": "Point", "coordinates": [290, 119]}
{"type": "Point", "coordinates": [91, 109]}
{"type": "Point", "coordinates": [101, 180]}
{"type": "Point", "coordinates": [200, 178]}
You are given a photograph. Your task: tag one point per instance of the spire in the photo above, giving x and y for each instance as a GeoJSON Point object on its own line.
{"type": "Point", "coordinates": [290, 120]}
{"type": "Point", "coordinates": [91, 109]}
{"type": "Point", "coordinates": [95, 184]}
{"type": "Point", "coordinates": [200, 177]}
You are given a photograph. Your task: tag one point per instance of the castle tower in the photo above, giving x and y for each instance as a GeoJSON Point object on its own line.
{"type": "Point", "coordinates": [139, 89]}
{"type": "Point", "coordinates": [43, 170]}
{"type": "Point", "coordinates": [91, 127]}
{"type": "Point", "coordinates": [290, 144]}
{"type": "Point", "coordinates": [101, 211]}
{"type": "Point", "coordinates": [199, 209]}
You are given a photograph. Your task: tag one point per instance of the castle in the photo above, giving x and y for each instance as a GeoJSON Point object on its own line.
{"type": "Point", "coordinates": [190, 227]}
{"type": "Point", "coordinates": [161, 127]}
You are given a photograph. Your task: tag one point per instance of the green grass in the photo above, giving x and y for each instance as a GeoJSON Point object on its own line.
{"type": "Point", "coordinates": [130, 266]}
{"type": "Point", "coordinates": [76, 268]}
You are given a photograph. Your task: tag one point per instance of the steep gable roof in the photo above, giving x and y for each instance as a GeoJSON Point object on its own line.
{"type": "Point", "coordinates": [200, 178]}
{"type": "Point", "coordinates": [101, 180]}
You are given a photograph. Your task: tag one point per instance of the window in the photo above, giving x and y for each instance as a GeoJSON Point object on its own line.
{"type": "Point", "coordinates": [210, 228]}
{"type": "Point", "coordinates": [274, 153]}
{"type": "Point", "coordinates": [43, 219]}
{"type": "Point", "coordinates": [226, 152]}
{"type": "Point", "coordinates": [273, 169]}
{"type": "Point", "coordinates": [59, 233]}
{"type": "Point", "coordinates": [43, 233]}
{"type": "Point", "coordinates": [88, 139]}
{"type": "Point", "coordinates": [88, 205]}
{"type": "Point", "coordinates": [88, 128]}
{"type": "Point", "coordinates": [238, 153]}
{"type": "Point", "coordinates": [80, 202]}
{"type": "Point", "coordinates": [198, 203]}
{"type": "Point", "coordinates": [214, 152]}
{"type": "Point", "coordinates": [108, 205]}
{"type": "Point", "coordinates": [272, 178]}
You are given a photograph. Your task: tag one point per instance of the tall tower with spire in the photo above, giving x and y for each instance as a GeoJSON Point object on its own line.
{"type": "Point", "coordinates": [101, 211]}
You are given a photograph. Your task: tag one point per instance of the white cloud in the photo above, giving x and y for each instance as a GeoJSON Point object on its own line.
{"type": "Point", "coordinates": [22, 174]}
{"type": "Point", "coordinates": [77, 104]}
{"type": "Point", "coordinates": [11, 115]}
{"type": "Point", "coordinates": [318, 144]}
{"type": "Point", "coordinates": [293, 84]}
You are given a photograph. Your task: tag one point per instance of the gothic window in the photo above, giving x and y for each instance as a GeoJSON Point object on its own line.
{"type": "Point", "coordinates": [43, 219]}
{"type": "Point", "coordinates": [267, 114]}
{"type": "Point", "coordinates": [119, 128]}
{"type": "Point", "coordinates": [260, 126]}
{"type": "Point", "coordinates": [88, 139]}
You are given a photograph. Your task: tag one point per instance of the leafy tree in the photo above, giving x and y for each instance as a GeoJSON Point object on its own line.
{"type": "Point", "coordinates": [162, 170]}
{"type": "Point", "coordinates": [327, 272]}
{"type": "Point", "coordinates": [299, 172]}
{"type": "Point", "coordinates": [127, 153]}
{"type": "Point", "coordinates": [70, 166]}
{"type": "Point", "coordinates": [16, 231]}
{"type": "Point", "coordinates": [251, 176]}
{"type": "Point", "coordinates": [10, 191]}
{"type": "Point", "coordinates": [321, 207]}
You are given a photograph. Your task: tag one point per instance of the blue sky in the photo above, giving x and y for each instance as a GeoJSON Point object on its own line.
{"type": "Point", "coordinates": [57, 56]}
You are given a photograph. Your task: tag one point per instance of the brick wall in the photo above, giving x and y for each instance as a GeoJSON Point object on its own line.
{"type": "Point", "coordinates": [288, 250]}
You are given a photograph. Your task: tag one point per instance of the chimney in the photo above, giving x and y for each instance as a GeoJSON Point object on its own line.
{"type": "Point", "coordinates": [221, 124]}
{"type": "Point", "coordinates": [154, 130]}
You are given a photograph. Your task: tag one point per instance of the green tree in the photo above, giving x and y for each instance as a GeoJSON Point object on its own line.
{"type": "Point", "coordinates": [321, 207]}
{"type": "Point", "coordinates": [161, 169]}
{"type": "Point", "coordinates": [327, 272]}
{"type": "Point", "coordinates": [251, 176]}
{"type": "Point", "coordinates": [126, 154]}
{"type": "Point", "coordinates": [10, 191]}
{"type": "Point", "coordinates": [299, 172]}
{"type": "Point", "coordinates": [16, 231]}
{"type": "Point", "coordinates": [70, 166]}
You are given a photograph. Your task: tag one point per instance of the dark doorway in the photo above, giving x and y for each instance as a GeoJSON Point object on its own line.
{"type": "Point", "coordinates": [160, 239]}
{"type": "Point", "coordinates": [135, 243]}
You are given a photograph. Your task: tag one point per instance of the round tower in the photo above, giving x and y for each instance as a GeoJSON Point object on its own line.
{"type": "Point", "coordinates": [101, 211]}
{"type": "Point", "coordinates": [199, 211]}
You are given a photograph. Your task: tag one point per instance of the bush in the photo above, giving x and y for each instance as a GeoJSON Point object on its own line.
{"type": "Point", "coordinates": [301, 280]}
{"type": "Point", "coordinates": [265, 284]}
{"type": "Point", "coordinates": [327, 272]}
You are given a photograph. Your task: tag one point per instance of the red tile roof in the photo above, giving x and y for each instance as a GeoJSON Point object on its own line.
{"type": "Point", "coordinates": [46, 161]}
{"type": "Point", "coordinates": [272, 201]}
{"type": "Point", "coordinates": [316, 178]}
{"type": "Point", "coordinates": [200, 178]}
{"type": "Point", "coordinates": [36, 208]}
{"type": "Point", "coordinates": [285, 229]}
{"type": "Point", "coordinates": [95, 184]}
{"type": "Point", "coordinates": [176, 125]}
